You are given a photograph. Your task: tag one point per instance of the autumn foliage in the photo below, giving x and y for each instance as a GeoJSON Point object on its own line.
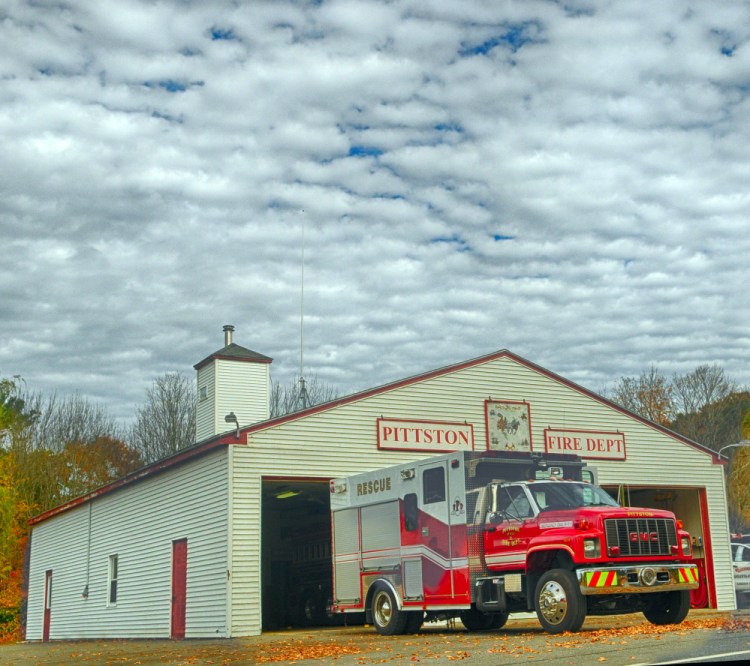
{"type": "Point", "coordinates": [36, 476]}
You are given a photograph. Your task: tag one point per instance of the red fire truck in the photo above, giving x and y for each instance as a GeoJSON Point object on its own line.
{"type": "Point", "coordinates": [480, 535]}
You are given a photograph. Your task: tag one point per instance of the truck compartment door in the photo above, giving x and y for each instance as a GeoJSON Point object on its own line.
{"type": "Point", "coordinates": [434, 533]}
{"type": "Point", "coordinates": [346, 564]}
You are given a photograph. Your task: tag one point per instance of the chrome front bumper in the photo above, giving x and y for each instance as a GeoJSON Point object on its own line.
{"type": "Point", "coordinates": [638, 578]}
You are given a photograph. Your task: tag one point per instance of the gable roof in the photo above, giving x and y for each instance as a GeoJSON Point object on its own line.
{"type": "Point", "coordinates": [230, 438]}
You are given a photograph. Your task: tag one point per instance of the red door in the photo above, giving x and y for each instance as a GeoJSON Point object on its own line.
{"type": "Point", "coordinates": [47, 604]}
{"type": "Point", "coordinates": [179, 587]}
{"type": "Point", "coordinates": [510, 527]}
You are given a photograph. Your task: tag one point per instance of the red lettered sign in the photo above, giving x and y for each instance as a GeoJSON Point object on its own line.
{"type": "Point", "coordinates": [586, 443]}
{"type": "Point", "coordinates": [410, 435]}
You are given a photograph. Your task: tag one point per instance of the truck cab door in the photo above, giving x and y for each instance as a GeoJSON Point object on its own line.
{"type": "Point", "coordinates": [509, 526]}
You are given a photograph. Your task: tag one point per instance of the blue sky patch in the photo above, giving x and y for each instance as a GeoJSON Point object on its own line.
{"type": "Point", "coordinates": [364, 151]}
{"type": "Point", "coordinates": [172, 86]}
{"type": "Point", "coordinates": [448, 127]}
{"type": "Point", "coordinates": [454, 239]}
{"type": "Point", "coordinates": [515, 37]}
{"type": "Point", "coordinates": [218, 34]}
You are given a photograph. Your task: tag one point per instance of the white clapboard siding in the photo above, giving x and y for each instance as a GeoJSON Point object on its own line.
{"type": "Point", "coordinates": [245, 599]}
{"type": "Point", "coordinates": [241, 388]}
{"type": "Point", "coordinates": [342, 440]}
{"type": "Point", "coordinates": [205, 412]}
{"type": "Point", "coordinates": [138, 523]}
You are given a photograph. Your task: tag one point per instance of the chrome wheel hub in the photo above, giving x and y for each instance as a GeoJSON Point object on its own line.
{"type": "Point", "coordinates": [553, 602]}
{"type": "Point", "coordinates": [382, 609]}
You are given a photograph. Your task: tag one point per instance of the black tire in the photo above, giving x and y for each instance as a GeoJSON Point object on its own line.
{"type": "Point", "coordinates": [558, 601]}
{"type": "Point", "coordinates": [387, 618]}
{"type": "Point", "coordinates": [309, 609]}
{"type": "Point", "coordinates": [667, 607]}
{"type": "Point", "coordinates": [499, 620]}
{"type": "Point", "coordinates": [475, 620]}
{"type": "Point", "coordinates": [414, 621]}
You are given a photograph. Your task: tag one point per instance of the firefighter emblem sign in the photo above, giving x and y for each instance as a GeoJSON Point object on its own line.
{"type": "Point", "coordinates": [508, 427]}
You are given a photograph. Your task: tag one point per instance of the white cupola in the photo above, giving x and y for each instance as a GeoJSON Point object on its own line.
{"type": "Point", "coordinates": [232, 380]}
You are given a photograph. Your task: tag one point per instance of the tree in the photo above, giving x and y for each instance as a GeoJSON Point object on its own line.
{"type": "Point", "coordinates": [14, 511]}
{"type": "Point", "coordinates": [51, 450]}
{"type": "Point", "coordinates": [61, 421]}
{"type": "Point", "coordinates": [49, 429]}
{"type": "Point", "coordinates": [704, 401]}
{"type": "Point", "coordinates": [649, 395]}
{"type": "Point", "coordinates": [81, 467]}
{"type": "Point", "coordinates": [166, 422]}
{"type": "Point", "coordinates": [13, 537]}
{"type": "Point", "coordinates": [738, 482]}
{"type": "Point", "coordinates": [292, 397]}
{"type": "Point", "coordinates": [14, 415]}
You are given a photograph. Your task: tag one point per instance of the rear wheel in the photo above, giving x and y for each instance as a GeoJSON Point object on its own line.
{"type": "Point", "coordinates": [475, 620]}
{"type": "Point", "coordinates": [668, 607]}
{"type": "Point", "coordinates": [559, 604]}
{"type": "Point", "coordinates": [414, 621]}
{"type": "Point", "coordinates": [387, 618]}
{"type": "Point", "coordinates": [499, 620]}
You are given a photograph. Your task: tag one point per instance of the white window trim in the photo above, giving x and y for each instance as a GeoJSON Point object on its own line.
{"type": "Point", "coordinates": [113, 576]}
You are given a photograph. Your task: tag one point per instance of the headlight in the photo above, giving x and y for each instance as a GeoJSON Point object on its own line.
{"type": "Point", "coordinates": [591, 548]}
{"type": "Point", "coordinates": [685, 542]}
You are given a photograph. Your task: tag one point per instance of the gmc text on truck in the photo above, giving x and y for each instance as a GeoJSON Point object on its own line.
{"type": "Point", "coordinates": [481, 535]}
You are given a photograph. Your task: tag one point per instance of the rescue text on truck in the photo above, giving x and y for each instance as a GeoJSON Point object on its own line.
{"type": "Point", "coordinates": [481, 535]}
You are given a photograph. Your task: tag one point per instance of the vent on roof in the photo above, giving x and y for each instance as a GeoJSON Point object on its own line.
{"type": "Point", "coordinates": [228, 330]}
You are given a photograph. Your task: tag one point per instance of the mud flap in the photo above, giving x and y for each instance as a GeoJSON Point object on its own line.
{"type": "Point", "coordinates": [490, 595]}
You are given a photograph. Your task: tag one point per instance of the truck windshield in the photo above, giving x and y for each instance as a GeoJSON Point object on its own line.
{"type": "Point", "coordinates": [556, 495]}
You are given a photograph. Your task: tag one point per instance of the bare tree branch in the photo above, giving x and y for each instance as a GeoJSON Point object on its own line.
{"type": "Point", "coordinates": [289, 398]}
{"type": "Point", "coordinates": [166, 422]}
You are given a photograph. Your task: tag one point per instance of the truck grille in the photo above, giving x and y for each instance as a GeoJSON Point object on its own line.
{"type": "Point", "coordinates": [641, 536]}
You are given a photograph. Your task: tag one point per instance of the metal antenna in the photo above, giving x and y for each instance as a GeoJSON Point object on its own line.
{"type": "Point", "coordinates": [302, 388]}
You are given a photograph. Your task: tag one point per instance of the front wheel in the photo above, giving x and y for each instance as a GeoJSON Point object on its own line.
{"type": "Point", "coordinates": [559, 604]}
{"type": "Point", "coordinates": [667, 607]}
{"type": "Point", "coordinates": [387, 618]}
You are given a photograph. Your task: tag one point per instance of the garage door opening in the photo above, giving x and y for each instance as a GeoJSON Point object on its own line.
{"type": "Point", "coordinates": [296, 553]}
{"type": "Point", "coordinates": [688, 505]}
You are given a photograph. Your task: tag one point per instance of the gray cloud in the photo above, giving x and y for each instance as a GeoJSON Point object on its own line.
{"type": "Point", "coordinates": [566, 180]}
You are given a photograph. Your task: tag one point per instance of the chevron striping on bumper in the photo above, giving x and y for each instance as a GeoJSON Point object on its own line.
{"type": "Point", "coordinates": [601, 578]}
{"type": "Point", "coordinates": [688, 575]}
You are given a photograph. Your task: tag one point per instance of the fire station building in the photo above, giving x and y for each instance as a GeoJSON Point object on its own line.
{"type": "Point", "coordinates": [232, 536]}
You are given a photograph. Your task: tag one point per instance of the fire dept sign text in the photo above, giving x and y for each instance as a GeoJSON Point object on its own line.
{"type": "Point", "coordinates": [424, 435]}
{"type": "Point", "coordinates": [585, 443]}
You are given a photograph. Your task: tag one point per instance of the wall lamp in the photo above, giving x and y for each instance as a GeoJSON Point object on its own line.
{"type": "Point", "coordinates": [744, 442]}
{"type": "Point", "coordinates": [232, 418]}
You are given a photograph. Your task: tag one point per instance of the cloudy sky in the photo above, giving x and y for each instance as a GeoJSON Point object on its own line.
{"type": "Point", "coordinates": [567, 180]}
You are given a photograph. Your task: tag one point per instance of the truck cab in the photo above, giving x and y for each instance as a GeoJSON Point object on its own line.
{"type": "Point", "coordinates": [518, 515]}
